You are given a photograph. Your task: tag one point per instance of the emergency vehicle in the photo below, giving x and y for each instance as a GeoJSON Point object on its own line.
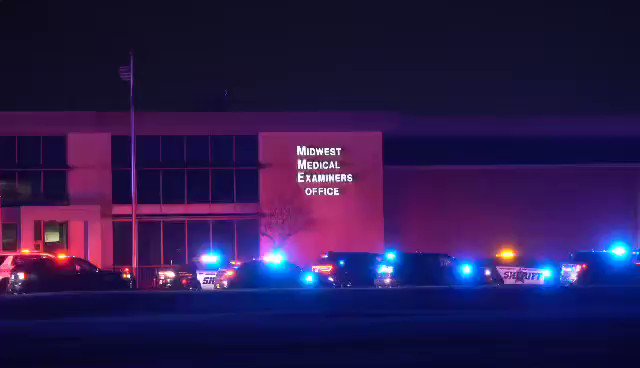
{"type": "Point", "coordinates": [508, 268]}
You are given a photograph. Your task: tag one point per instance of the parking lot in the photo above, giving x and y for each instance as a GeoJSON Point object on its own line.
{"type": "Point", "coordinates": [361, 327]}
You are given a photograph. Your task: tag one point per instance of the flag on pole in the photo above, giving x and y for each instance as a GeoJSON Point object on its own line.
{"type": "Point", "coordinates": [125, 73]}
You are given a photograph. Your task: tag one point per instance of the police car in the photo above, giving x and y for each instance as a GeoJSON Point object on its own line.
{"type": "Point", "coordinates": [347, 269]}
{"type": "Point", "coordinates": [421, 269]}
{"type": "Point", "coordinates": [45, 273]}
{"type": "Point", "coordinates": [508, 268]}
{"type": "Point", "coordinates": [9, 260]}
{"type": "Point", "coordinates": [615, 266]}
{"type": "Point", "coordinates": [213, 273]}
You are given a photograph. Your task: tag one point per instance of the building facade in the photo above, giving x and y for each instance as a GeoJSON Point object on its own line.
{"type": "Point", "coordinates": [244, 183]}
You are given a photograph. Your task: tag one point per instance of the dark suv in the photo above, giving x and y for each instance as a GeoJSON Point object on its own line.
{"type": "Point", "coordinates": [47, 274]}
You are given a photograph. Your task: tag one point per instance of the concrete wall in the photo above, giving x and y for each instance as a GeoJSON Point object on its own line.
{"type": "Point", "coordinates": [543, 211]}
{"type": "Point", "coordinates": [352, 221]}
{"type": "Point", "coordinates": [89, 183]}
{"type": "Point", "coordinates": [76, 217]}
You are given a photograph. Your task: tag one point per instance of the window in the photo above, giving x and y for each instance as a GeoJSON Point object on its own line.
{"type": "Point", "coordinates": [248, 239]}
{"type": "Point", "coordinates": [197, 151]}
{"type": "Point", "coordinates": [8, 184]}
{"type": "Point", "coordinates": [224, 238]}
{"type": "Point", "coordinates": [247, 187]}
{"type": "Point", "coordinates": [172, 151]}
{"type": "Point", "coordinates": [37, 230]}
{"type": "Point", "coordinates": [148, 186]}
{"type": "Point", "coordinates": [54, 152]}
{"type": "Point", "coordinates": [173, 186]}
{"type": "Point", "coordinates": [222, 151]}
{"type": "Point", "coordinates": [30, 184]}
{"type": "Point", "coordinates": [175, 247]}
{"type": "Point", "coordinates": [55, 236]}
{"type": "Point", "coordinates": [197, 186]}
{"type": "Point", "coordinates": [121, 189]}
{"type": "Point", "coordinates": [84, 266]}
{"type": "Point", "coordinates": [179, 242]}
{"type": "Point", "coordinates": [55, 185]}
{"type": "Point", "coordinates": [222, 186]}
{"type": "Point", "coordinates": [148, 151]}
{"type": "Point", "coordinates": [9, 237]}
{"type": "Point", "coordinates": [121, 151]}
{"type": "Point", "coordinates": [247, 150]}
{"type": "Point", "coordinates": [26, 162]}
{"type": "Point", "coordinates": [187, 169]}
{"type": "Point", "coordinates": [29, 151]}
{"type": "Point", "coordinates": [149, 243]}
{"type": "Point", "coordinates": [198, 238]}
{"type": "Point", "coordinates": [7, 152]}
{"type": "Point", "coordinates": [122, 238]}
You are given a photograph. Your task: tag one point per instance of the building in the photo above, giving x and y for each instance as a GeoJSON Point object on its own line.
{"type": "Point", "coordinates": [244, 183]}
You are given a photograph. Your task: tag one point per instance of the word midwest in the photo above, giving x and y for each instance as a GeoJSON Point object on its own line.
{"type": "Point", "coordinates": [311, 164]}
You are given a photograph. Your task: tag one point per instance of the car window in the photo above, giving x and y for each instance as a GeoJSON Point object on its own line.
{"type": "Point", "coordinates": [82, 265]}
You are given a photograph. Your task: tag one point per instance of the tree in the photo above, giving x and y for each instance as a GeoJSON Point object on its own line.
{"type": "Point", "coordinates": [285, 218]}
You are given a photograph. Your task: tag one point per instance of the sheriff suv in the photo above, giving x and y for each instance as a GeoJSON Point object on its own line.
{"type": "Point", "coordinates": [9, 260]}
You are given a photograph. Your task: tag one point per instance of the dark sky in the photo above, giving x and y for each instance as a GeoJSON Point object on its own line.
{"type": "Point", "coordinates": [452, 58]}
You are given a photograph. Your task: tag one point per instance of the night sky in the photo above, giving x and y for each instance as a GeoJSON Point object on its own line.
{"type": "Point", "coordinates": [455, 58]}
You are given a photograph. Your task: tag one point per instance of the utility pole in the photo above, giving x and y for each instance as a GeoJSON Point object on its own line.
{"type": "Point", "coordinates": [127, 74]}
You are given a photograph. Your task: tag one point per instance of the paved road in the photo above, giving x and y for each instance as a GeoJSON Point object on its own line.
{"type": "Point", "coordinates": [300, 328]}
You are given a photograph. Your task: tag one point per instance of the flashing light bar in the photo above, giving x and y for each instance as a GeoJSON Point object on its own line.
{"type": "Point", "coordinates": [324, 269]}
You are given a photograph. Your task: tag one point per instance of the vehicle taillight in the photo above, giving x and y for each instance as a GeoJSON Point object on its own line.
{"type": "Point", "coordinates": [323, 269]}
{"type": "Point", "coordinates": [21, 275]}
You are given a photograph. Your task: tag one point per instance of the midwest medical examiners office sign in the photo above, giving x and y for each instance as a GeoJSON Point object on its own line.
{"type": "Point", "coordinates": [319, 166]}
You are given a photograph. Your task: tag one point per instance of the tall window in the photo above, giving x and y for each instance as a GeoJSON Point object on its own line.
{"type": "Point", "coordinates": [175, 242]}
{"type": "Point", "coordinates": [9, 237]}
{"type": "Point", "coordinates": [187, 169]}
{"type": "Point", "coordinates": [33, 170]}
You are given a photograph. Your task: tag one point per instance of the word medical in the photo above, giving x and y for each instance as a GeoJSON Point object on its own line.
{"type": "Point", "coordinates": [308, 167]}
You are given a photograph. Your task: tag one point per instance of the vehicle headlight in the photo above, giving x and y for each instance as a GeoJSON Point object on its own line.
{"type": "Point", "coordinates": [487, 272]}
{"type": "Point", "coordinates": [167, 274]}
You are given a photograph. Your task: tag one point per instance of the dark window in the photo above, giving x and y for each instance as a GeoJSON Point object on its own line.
{"type": "Point", "coordinates": [54, 152]}
{"type": "Point", "coordinates": [121, 151]}
{"type": "Point", "coordinates": [121, 186]}
{"type": "Point", "coordinates": [247, 150]}
{"type": "Point", "coordinates": [149, 243]}
{"type": "Point", "coordinates": [248, 239]}
{"type": "Point", "coordinates": [37, 230]}
{"type": "Point", "coordinates": [30, 185]}
{"type": "Point", "coordinates": [55, 185]}
{"type": "Point", "coordinates": [9, 237]}
{"type": "Point", "coordinates": [247, 187]}
{"type": "Point", "coordinates": [173, 186]}
{"type": "Point", "coordinates": [222, 151]}
{"type": "Point", "coordinates": [7, 152]}
{"type": "Point", "coordinates": [148, 151]}
{"type": "Point", "coordinates": [198, 238]}
{"type": "Point", "coordinates": [172, 151]}
{"type": "Point", "coordinates": [122, 238]}
{"type": "Point", "coordinates": [29, 152]}
{"type": "Point", "coordinates": [222, 186]}
{"type": "Point", "coordinates": [223, 238]}
{"type": "Point", "coordinates": [149, 186]}
{"type": "Point", "coordinates": [198, 151]}
{"type": "Point", "coordinates": [198, 186]}
{"type": "Point", "coordinates": [8, 185]}
{"type": "Point", "coordinates": [175, 249]}
{"type": "Point", "coordinates": [84, 266]}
